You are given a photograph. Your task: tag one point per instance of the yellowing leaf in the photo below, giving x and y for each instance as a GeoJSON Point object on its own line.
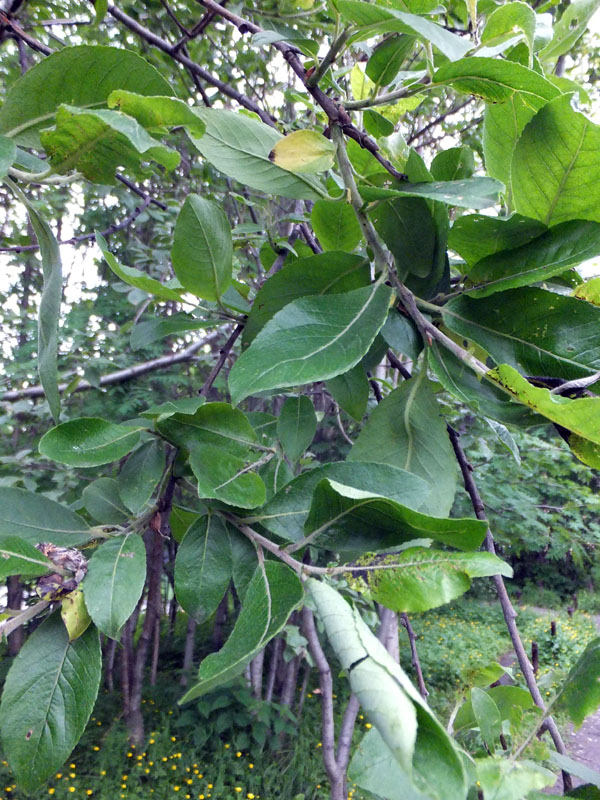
{"type": "Point", "coordinates": [361, 85]}
{"type": "Point", "coordinates": [590, 291]}
{"type": "Point", "coordinates": [75, 614]}
{"type": "Point", "coordinates": [304, 152]}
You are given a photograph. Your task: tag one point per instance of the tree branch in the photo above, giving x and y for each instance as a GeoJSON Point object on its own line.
{"type": "Point", "coordinates": [120, 376]}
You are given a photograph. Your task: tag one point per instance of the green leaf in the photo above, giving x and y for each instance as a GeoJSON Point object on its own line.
{"type": "Point", "coordinates": [141, 474]}
{"type": "Point", "coordinates": [273, 593]}
{"type": "Point", "coordinates": [401, 335]}
{"type": "Point", "coordinates": [286, 513]}
{"type": "Point", "coordinates": [453, 164]}
{"type": "Point", "coordinates": [466, 193]}
{"type": "Point", "coordinates": [580, 693]}
{"type": "Point", "coordinates": [226, 477]}
{"type": "Point", "coordinates": [216, 424]}
{"type": "Point", "coordinates": [20, 557]}
{"type": "Point", "coordinates": [80, 76]}
{"type": "Point", "coordinates": [97, 142]}
{"type": "Point", "coordinates": [374, 768]}
{"type": "Point", "coordinates": [239, 146]}
{"type": "Point", "coordinates": [202, 248]}
{"type": "Point", "coordinates": [387, 58]}
{"type": "Point", "coordinates": [580, 415]}
{"type": "Point", "coordinates": [407, 431]}
{"type": "Point", "coordinates": [335, 225]}
{"type": "Point", "coordinates": [511, 701]}
{"type": "Point", "coordinates": [135, 277]}
{"type": "Point", "coordinates": [487, 716]}
{"type": "Point", "coordinates": [503, 124]}
{"type": "Point", "coordinates": [426, 578]}
{"type": "Point", "coordinates": [506, 20]}
{"type": "Point", "coordinates": [496, 81]}
{"type": "Point", "coordinates": [569, 28]}
{"type": "Point", "coordinates": [184, 405]}
{"type": "Point", "coordinates": [157, 112]}
{"type": "Point", "coordinates": [564, 246]}
{"type": "Point", "coordinates": [48, 696]}
{"type": "Point", "coordinates": [203, 567]}
{"type": "Point", "coordinates": [88, 442]}
{"type": "Point", "coordinates": [115, 581]}
{"type": "Point", "coordinates": [408, 228]}
{"type": "Point", "coordinates": [476, 236]}
{"type": "Point", "coordinates": [368, 15]}
{"type": "Point", "coordinates": [296, 426]}
{"type": "Point", "coordinates": [350, 391]}
{"type": "Point", "coordinates": [305, 152]}
{"type": "Point", "coordinates": [181, 519]}
{"type": "Point", "coordinates": [590, 291]}
{"type": "Point", "coordinates": [481, 396]}
{"type": "Point", "coordinates": [310, 340]}
{"type": "Point", "coordinates": [528, 331]}
{"type": "Point", "coordinates": [505, 779]}
{"type": "Point", "coordinates": [342, 518]}
{"type": "Point", "coordinates": [556, 165]}
{"type": "Point", "coordinates": [103, 501]}
{"type": "Point", "coordinates": [578, 769]}
{"type": "Point", "coordinates": [145, 333]}
{"type": "Point", "coordinates": [244, 560]}
{"type": "Point", "coordinates": [402, 718]}
{"type": "Point", "coordinates": [35, 518]}
{"type": "Point", "coordinates": [326, 273]}
{"type": "Point", "coordinates": [8, 154]}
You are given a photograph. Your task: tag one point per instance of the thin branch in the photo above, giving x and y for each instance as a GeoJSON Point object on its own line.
{"type": "Point", "coordinates": [150, 37]}
{"type": "Point", "coordinates": [118, 226]}
{"type": "Point", "coordinates": [17, 32]}
{"type": "Point", "coordinates": [223, 354]}
{"type": "Point", "coordinates": [412, 639]}
{"type": "Point", "coordinates": [140, 192]}
{"type": "Point", "coordinates": [507, 608]}
{"type": "Point", "coordinates": [120, 376]}
{"type": "Point", "coordinates": [24, 616]}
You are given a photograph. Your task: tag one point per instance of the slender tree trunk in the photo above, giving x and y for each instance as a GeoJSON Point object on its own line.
{"type": "Point", "coordinates": [155, 651]}
{"type": "Point", "coordinates": [218, 636]}
{"type": "Point", "coordinates": [111, 649]}
{"type": "Point", "coordinates": [256, 674]}
{"type": "Point", "coordinates": [188, 652]}
{"type": "Point", "coordinates": [276, 649]}
{"type": "Point", "coordinates": [154, 552]}
{"type": "Point", "coordinates": [288, 690]}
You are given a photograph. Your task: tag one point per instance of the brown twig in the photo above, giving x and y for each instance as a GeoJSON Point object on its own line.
{"type": "Point", "coordinates": [412, 639]}
{"type": "Point", "coordinates": [507, 608]}
{"type": "Point", "coordinates": [223, 354]}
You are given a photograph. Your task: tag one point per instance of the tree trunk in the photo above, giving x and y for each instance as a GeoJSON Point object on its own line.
{"type": "Point", "coordinates": [188, 652]}
{"type": "Point", "coordinates": [14, 600]}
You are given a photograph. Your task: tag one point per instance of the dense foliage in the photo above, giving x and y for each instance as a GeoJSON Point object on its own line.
{"type": "Point", "coordinates": [297, 272]}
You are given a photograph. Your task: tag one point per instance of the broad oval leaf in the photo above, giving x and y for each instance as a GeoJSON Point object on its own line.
{"type": "Point", "coordinates": [202, 248]}
{"type": "Point", "coordinates": [81, 76]}
{"type": "Point", "coordinates": [36, 518]}
{"type": "Point", "coordinates": [20, 557]}
{"type": "Point", "coordinates": [540, 332]}
{"type": "Point", "coordinates": [569, 28]}
{"type": "Point", "coordinates": [286, 513]}
{"type": "Point", "coordinates": [103, 502]}
{"type": "Point", "coordinates": [226, 477]}
{"type": "Point", "coordinates": [239, 146]}
{"type": "Point", "coordinates": [497, 80]}
{"type": "Point", "coordinates": [310, 340]}
{"type": "Point", "coordinates": [156, 112]}
{"type": "Point", "coordinates": [487, 716]}
{"type": "Point", "coordinates": [74, 614]}
{"type": "Point", "coordinates": [97, 142]}
{"type": "Point", "coordinates": [135, 277]}
{"type": "Point", "coordinates": [351, 391]}
{"type": "Point", "coordinates": [151, 330]}
{"type": "Point", "coordinates": [556, 165]}
{"type": "Point", "coordinates": [296, 426]}
{"type": "Point", "coordinates": [304, 152]}
{"type": "Point", "coordinates": [476, 236]}
{"type": "Point", "coordinates": [88, 442]}
{"type": "Point", "coordinates": [115, 581]}
{"type": "Point", "coordinates": [564, 246]}
{"type": "Point", "coordinates": [465, 193]}
{"type": "Point", "coordinates": [141, 474]}
{"type": "Point", "coordinates": [326, 273]}
{"type": "Point", "coordinates": [48, 696]}
{"type": "Point", "coordinates": [272, 594]}
{"type": "Point", "coordinates": [406, 430]}
{"type": "Point", "coordinates": [342, 518]}
{"type": "Point", "coordinates": [426, 579]}
{"type": "Point", "coordinates": [335, 224]}
{"type": "Point", "coordinates": [217, 424]}
{"type": "Point", "coordinates": [203, 567]}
